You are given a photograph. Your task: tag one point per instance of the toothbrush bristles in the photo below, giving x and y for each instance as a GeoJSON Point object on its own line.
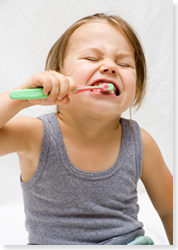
{"type": "Point", "coordinates": [108, 87]}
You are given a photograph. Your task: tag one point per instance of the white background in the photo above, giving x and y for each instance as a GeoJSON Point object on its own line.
{"type": "Point", "coordinates": [28, 29]}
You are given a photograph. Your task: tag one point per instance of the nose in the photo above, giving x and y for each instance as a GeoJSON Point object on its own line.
{"type": "Point", "coordinates": [109, 66]}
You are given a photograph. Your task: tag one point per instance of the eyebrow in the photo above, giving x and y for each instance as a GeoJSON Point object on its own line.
{"type": "Point", "coordinates": [97, 50]}
{"type": "Point", "coordinates": [124, 54]}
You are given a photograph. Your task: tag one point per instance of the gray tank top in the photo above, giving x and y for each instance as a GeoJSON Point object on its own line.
{"type": "Point", "coordinates": [67, 206]}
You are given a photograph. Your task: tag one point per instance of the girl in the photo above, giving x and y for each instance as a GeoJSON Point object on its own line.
{"type": "Point", "coordinates": [80, 166]}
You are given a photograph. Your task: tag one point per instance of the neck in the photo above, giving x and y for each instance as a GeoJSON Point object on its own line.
{"type": "Point", "coordinates": [88, 129]}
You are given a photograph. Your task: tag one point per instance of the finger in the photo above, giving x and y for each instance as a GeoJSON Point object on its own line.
{"type": "Point", "coordinates": [63, 84]}
{"type": "Point", "coordinates": [38, 80]}
{"type": "Point", "coordinates": [72, 85]}
{"type": "Point", "coordinates": [65, 100]}
{"type": "Point", "coordinates": [55, 84]}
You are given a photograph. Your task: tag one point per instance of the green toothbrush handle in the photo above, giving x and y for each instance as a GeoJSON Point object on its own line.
{"type": "Point", "coordinates": [37, 93]}
{"type": "Point", "coordinates": [27, 94]}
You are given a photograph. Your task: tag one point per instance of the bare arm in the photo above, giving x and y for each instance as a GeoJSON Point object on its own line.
{"type": "Point", "coordinates": [9, 108]}
{"type": "Point", "coordinates": [158, 182]}
{"type": "Point", "coordinates": [52, 82]}
{"type": "Point", "coordinates": [11, 130]}
{"type": "Point", "coordinates": [23, 135]}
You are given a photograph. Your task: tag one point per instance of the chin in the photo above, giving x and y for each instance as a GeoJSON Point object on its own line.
{"type": "Point", "coordinates": [105, 111]}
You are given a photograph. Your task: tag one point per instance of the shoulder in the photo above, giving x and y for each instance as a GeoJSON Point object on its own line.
{"type": "Point", "coordinates": [156, 176]}
{"type": "Point", "coordinates": [147, 140]}
{"type": "Point", "coordinates": [152, 156]}
{"type": "Point", "coordinates": [151, 153]}
{"type": "Point", "coordinates": [31, 130]}
{"type": "Point", "coordinates": [153, 163]}
{"type": "Point", "coordinates": [18, 134]}
{"type": "Point", "coordinates": [27, 126]}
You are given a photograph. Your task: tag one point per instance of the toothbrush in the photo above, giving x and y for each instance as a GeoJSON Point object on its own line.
{"type": "Point", "coordinates": [37, 93]}
{"type": "Point", "coordinates": [105, 88]}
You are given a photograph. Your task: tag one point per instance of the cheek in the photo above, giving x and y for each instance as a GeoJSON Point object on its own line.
{"type": "Point", "coordinates": [80, 72]}
{"type": "Point", "coordinates": [130, 79]}
{"type": "Point", "coordinates": [130, 86]}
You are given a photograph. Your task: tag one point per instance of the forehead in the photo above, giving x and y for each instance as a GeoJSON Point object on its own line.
{"type": "Point", "coordinates": [99, 33]}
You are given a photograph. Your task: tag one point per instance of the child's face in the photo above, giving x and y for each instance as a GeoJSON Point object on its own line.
{"type": "Point", "coordinates": [97, 53]}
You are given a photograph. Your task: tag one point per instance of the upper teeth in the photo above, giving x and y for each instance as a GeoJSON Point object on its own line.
{"type": "Point", "coordinates": [96, 90]}
{"type": "Point", "coordinates": [97, 84]}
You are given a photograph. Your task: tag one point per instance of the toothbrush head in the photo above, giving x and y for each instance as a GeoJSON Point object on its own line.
{"type": "Point", "coordinates": [107, 87]}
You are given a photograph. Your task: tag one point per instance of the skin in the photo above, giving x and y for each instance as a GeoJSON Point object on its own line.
{"type": "Point", "coordinates": [89, 121]}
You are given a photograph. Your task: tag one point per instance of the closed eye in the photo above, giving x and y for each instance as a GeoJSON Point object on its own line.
{"type": "Point", "coordinates": [92, 59]}
{"type": "Point", "coordinates": [124, 65]}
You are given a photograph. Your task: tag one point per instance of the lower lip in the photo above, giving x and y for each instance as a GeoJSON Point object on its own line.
{"type": "Point", "coordinates": [101, 94]}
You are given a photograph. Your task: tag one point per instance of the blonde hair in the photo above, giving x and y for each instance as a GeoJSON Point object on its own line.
{"type": "Point", "coordinates": [57, 53]}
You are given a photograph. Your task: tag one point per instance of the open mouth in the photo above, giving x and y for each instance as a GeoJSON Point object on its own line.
{"type": "Point", "coordinates": [114, 92]}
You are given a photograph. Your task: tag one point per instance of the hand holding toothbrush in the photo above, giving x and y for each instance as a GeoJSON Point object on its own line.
{"type": "Point", "coordinates": [48, 88]}
{"type": "Point", "coordinates": [51, 82]}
